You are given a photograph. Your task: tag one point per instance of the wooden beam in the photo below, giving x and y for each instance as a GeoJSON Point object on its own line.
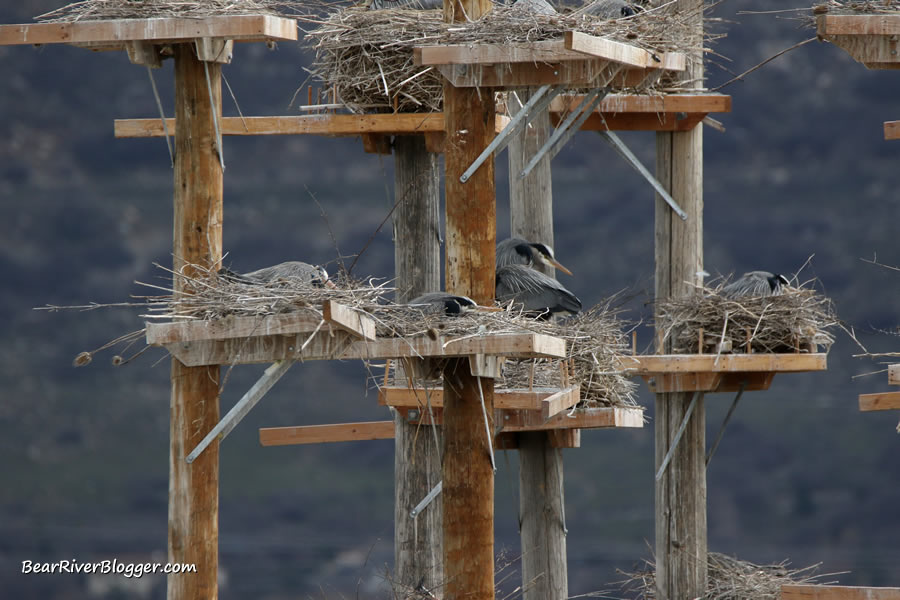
{"type": "Point", "coordinates": [159, 334]}
{"type": "Point", "coordinates": [613, 104]}
{"type": "Point", "coordinates": [882, 401]}
{"type": "Point", "coordinates": [892, 130]}
{"type": "Point", "coordinates": [350, 320]}
{"type": "Point", "coordinates": [661, 383]}
{"type": "Point", "coordinates": [503, 398]}
{"type": "Point", "coordinates": [561, 438]}
{"type": "Point", "coordinates": [894, 374]}
{"type": "Point", "coordinates": [560, 401]}
{"type": "Point", "coordinates": [874, 24]}
{"type": "Point", "coordinates": [479, 54]}
{"type": "Point", "coordinates": [321, 434]}
{"type": "Point", "coordinates": [115, 32]}
{"type": "Point", "coordinates": [376, 143]}
{"type": "Point", "coordinates": [515, 75]}
{"type": "Point", "coordinates": [711, 363]}
{"type": "Point", "coordinates": [870, 39]}
{"type": "Point", "coordinates": [529, 420]}
{"type": "Point", "coordinates": [194, 488]}
{"type": "Point", "coordinates": [838, 592]}
{"type": "Point", "coordinates": [622, 53]}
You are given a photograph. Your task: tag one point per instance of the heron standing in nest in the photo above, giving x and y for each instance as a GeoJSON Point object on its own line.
{"type": "Point", "coordinates": [533, 292]}
{"type": "Point", "coordinates": [755, 284]}
{"type": "Point", "coordinates": [516, 251]}
{"type": "Point", "coordinates": [290, 271]}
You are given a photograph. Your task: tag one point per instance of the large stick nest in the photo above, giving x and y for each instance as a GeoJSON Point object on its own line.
{"type": "Point", "coordinates": [367, 55]}
{"type": "Point", "coordinates": [732, 579]}
{"type": "Point", "coordinates": [798, 319]}
{"type": "Point", "coordinates": [98, 10]}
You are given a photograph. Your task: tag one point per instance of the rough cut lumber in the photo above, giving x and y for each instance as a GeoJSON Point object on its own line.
{"type": "Point", "coordinates": [892, 130]}
{"type": "Point", "coordinates": [751, 381]}
{"type": "Point", "coordinates": [319, 434]}
{"type": "Point", "coordinates": [324, 346]}
{"type": "Point", "coordinates": [873, 24]}
{"type": "Point", "coordinates": [882, 401]}
{"type": "Point", "coordinates": [894, 374]}
{"type": "Point", "coordinates": [476, 54]}
{"type": "Point", "coordinates": [711, 363]}
{"type": "Point", "coordinates": [869, 39]}
{"type": "Point", "coordinates": [619, 52]}
{"type": "Point", "coordinates": [514, 75]}
{"type": "Point", "coordinates": [350, 320]}
{"type": "Point", "coordinates": [838, 592]}
{"type": "Point", "coordinates": [114, 33]}
{"type": "Point", "coordinates": [560, 401]}
{"type": "Point", "coordinates": [529, 420]}
{"type": "Point", "coordinates": [645, 103]}
{"type": "Point", "coordinates": [416, 397]}
{"type": "Point", "coordinates": [194, 488]}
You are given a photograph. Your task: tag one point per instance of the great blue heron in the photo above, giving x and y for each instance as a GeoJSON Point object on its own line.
{"type": "Point", "coordinates": [516, 251]}
{"type": "Point", "coordinates": [533, 6]}
{"type": "Point", "coordinates": [436, 302]}
{"type": "Point", "coordinates": [294, 270]}
{"type": "Point", "coordinates": [533, 292]}
{"type": "Point", "coordinates": [609, 9]}
{"type": "Point", "coordinates": [755, 283]}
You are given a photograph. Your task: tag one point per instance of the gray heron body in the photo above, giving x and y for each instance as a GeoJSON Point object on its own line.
{"type": "Point", "coordinates": [533, 292]}
{"type": "Point", "coordinates": [755, 283]}
{"type": "Point", "coordinates": [437, 302]}
{"type": "Point", "coordinates": [534, 6]}
{"type": "Point", "coordinates": [290, 271]}
{"type": "Point", "coordinates": [609, 9]}
{"type": "Point", "coordinates": [516, 251]}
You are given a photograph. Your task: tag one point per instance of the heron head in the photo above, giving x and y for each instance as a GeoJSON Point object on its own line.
{"type": "Point", "coordinates": [455, 305]}
{"type": "Point", "coordinates": [776, 281]}
{"type": "Point", "coordinates": [544, 254]}
{"type": "Point", "coordinates": [321, 279]}
{"type": "Point", "coordinates": [627, 11]}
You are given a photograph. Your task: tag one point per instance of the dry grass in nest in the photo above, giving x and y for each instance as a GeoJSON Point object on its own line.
{"type": "Point", "coordinates": [853, 7]}
{"type": "Point", "coordinates": [99, 10]}
{"type": "Point", "coordinates": [798, 318]}
{"type": "Point", "coordinates": [732, 579]}
{"type": "Point", "coordinates": [367, 55]}
{"type": "Point", "coordinates": [595, 343]}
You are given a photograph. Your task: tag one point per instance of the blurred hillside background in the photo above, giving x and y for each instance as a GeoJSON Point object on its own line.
{"type": "Point", "coordinates": [801, 170]}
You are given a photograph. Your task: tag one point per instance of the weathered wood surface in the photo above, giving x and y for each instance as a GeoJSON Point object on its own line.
{"type": "Point", "coordinates": [419, 542]}
{"type": "Point", "coordinates": [869, 39]}
{"type": "Point", "coordinates": [892, 130]}
{"type": "Point", "coordinates": [516, 75]}
{"type": "Point", "coordinates": [623, 53]}
{"type": "Point", "coordinates": [838, 592]}
{"type": "Point", "coordinates": [318, 434]}
{"type": "Point", "coordinates": [471, 222]}
{"type": "Point", "coordinates": [194, 488]}
{"type": "Point", "coordinates": [711, 363]}
{"type": "Point", "coordinates": [750, 381]}
{"type": "Point", "coordinates": [882, 401]}
{"type": "Point", "coordinates": [503, 398]}
{"type": "Point", "coordinates": [114, 33]}
{"type": "Point", "coordinates": [515, 420]}
{"type": "Point", "coordinates": [681, 532]}
{"type": "Point", "coordinates": [894, 374]}
{"type": "Point", "coordinates": [342, 346]}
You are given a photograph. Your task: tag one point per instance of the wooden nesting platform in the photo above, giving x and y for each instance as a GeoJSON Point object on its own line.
{"type": "Point", "coordinates": [126, 34]}
{"type": "Point", "coordinates": [578, 59]}
{"type": "Point", "coordinates": [345, 334]}
{"type": "Point", "coordinates": [869, 39]}
{"type": "Point", "coordinates": [883, 400]}
{"type": "Point", "coordinates": [718, 373]}
{"type": "Point", "coordinates": [837, 592]}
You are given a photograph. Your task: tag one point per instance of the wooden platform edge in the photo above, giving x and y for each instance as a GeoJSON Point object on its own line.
{"type": "Point", "coordinates": [349, 319]}
{"type": "Point", "coordinates": [879, 401]}
{"type": "Point", "coordinates": [892, 130]}
{"type": "Point", "coordinates": [711, 363]}
{"type": "Point", "coordinates": [837, 592]}
{"type": "Point", "coordinates": [317, 434]}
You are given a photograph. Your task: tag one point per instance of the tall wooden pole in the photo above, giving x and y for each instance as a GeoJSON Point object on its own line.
{"type": "Point", "coordinates": [681, 567]}
{"type": "Point", "coordinates": [471, 217]}
{"type": "Point", "coordinates": [194, 488]}
{"type": "Point", "coordinates": [544, 569]}
{"type": "Point", "coordinates": [418, 542]}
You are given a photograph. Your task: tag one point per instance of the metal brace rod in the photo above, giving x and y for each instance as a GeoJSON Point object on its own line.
{"type": "Point", "coordinates": [243, 406]}
{"type": "Point", "coordinates": [721, 433]}
{"type": "Point", "coordinates": [678, 434]}
{"type": "Point", "coordinates": [589, 99]}
{"type": "Point", "coordinates": [427, 499]}
{"type": "Point", "coordinates": [623, 150]}
{"type": "Point", "coordinates": [537, 103]}
{"type": "Point", "coordinates": [576, 126]}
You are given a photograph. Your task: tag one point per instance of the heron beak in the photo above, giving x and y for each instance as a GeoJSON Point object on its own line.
{"type": "Point", "coordinates": [558, 265]}
{"type": "Point", "coordinates": [330, 284]}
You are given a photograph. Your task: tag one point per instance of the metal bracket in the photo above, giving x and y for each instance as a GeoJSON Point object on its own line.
{"type": "Point", "coordinates": [678, 434]}
{"type": "Point", "coordinates": [427, 500]}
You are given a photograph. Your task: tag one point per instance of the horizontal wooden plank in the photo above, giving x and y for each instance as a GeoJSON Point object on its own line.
{"type": "Point", "coordinates": [882, 401]}
{"type": "Point", "coordinates": [874, 24]}
{"type": "Point", "coordinates": [318, 434]}
{"type": "Point", "coordinates": [530, 420]}
{"type": "Point", "coordinates": [636, 121]}
{"type": "Point", "coordinates": [348, 319]}
{"type": "Point", "coordinates": [894, 374]}
{"type": "Point", "coordinates": [892, 130]}
{"type": "Point", "coordinates": [480, 54]}
{"type": "Point", "coordinates": [516, 75]}
{"type": "Point", "coordinates": [750, 381]}
{"type": "Point", "coordinates": [230, 327]}
{"type": "Point", "coordinates": [324, 124]}
{"type": "Point", "coordinates": [838, 592]}
{"type": "Point", "coordinates": [562, 400]}
{"type": "Point", "coordinates": [116, 32]}
{"type": "Point", "coordinates": [323, 346]}
{"type": "Point", "coordinates": [622, 53]}
{"type": "Point", "coordinates": [503, 398]}
{"type": "Point", "coordinates": [648, 103]}
{"type": "Point", "coordinates": [704, 363]}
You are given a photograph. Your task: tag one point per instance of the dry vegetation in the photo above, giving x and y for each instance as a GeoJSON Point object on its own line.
{"type": "Point", "coordinates": [858, 7]}
{"type": "Point", "coordinates": [797, 320]}
{"type": "Point", "coordinates": [97, 10]}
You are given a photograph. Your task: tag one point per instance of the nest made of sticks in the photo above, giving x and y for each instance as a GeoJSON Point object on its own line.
{"type": "Point", "coordinates": [799, 319]}
{"type": "Point", "coordinates": [866, 7]}
{"type": "Point", "coordinates": [366, 56]}
{"type": "Point", "coordinates": [99, 10]}
{"type": "Point", "coordinates": [732, 579]}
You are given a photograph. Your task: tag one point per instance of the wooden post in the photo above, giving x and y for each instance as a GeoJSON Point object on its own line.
{"type": "Point", "coordinates": [471, 217]}
{"type": "Point", "coordinates": [418, 543]}
{"type": "Point", "coordinates": [544, 569]}
{"type": "Point", "coordinates": [681, 552]}
{"type": "Point", "coordinates": [194, 488]}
